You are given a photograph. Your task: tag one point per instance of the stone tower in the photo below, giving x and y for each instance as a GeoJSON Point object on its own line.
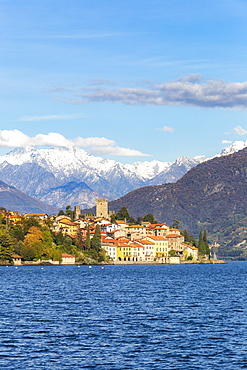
{"type": "Point", "coordinates": [77, 212]}
{"type": "Point", "coordinates": [102, 207]}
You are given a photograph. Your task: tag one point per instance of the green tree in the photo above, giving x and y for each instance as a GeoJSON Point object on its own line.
{"type": "Point", "coordinates": [69, 212]}
{"type": "Point", "coordinates": [149, 218]}
{"type": "Point", "coordinates": [47, 238]}
{"type": "Point", "coordinates": [58, 238]}
{"type": "Point", "coordinates": [6, 246]}
{"type": "Point", "coordinates": [201, 245]}
{"type": "Point", "coordinates": [206, 246]}
{"type": "Point", "coordinates": [172, 253]}
{"type": "Point", "coordinates": [123, 214]}
{"type": "Point", "coordinates": [176, 224]}
{"type": "Point", "coordinates": [88, 239]}
{"type": "Point", "coordinates": [96, 239]}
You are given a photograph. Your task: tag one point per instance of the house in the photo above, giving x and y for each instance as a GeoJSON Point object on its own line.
{"type": "Point", "coordinates": [174, 242]}
{"type": "Point", "coordinates": [160, 247]}
{"type": "Point", "coordinates": [111, 250]}
{"type": "Point", "coordinates": [135, 232]}
{"type": "Point", "coordinates": [137, 252]}
{"type": "Point", "coordinates": [124, 252]}
{"type": "Point", "coordinates": [67, 259]}
{"type": "Point", "coordinates": [109, 228]}
{"type": "Point", "coordinates": [16, 259]}
{"type": "Point", "coordinates": [190, 250]}
{"type": "Point", "coordinates": [67, 228]}
{"type": "Point", "coordinates": [148, 249]}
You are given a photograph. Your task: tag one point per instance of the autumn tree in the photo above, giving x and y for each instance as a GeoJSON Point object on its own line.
{"type": "Point", "coordinates": [32, 247]}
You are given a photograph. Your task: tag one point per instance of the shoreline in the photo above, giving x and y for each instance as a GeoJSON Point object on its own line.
{"type": "Point", "coordinates": [122, 263]}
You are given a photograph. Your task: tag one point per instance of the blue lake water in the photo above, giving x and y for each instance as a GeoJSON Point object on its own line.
{"type": "Point", "coordinates": [124, 317]}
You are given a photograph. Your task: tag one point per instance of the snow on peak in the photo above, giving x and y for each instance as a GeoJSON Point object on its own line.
{"type": "Point", "coordinates": [235, 147]}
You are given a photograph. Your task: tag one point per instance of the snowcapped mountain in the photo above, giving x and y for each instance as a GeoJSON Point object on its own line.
{"type": "Point", "coordinates": [235, 147]}
{"type": "Point", "coordinates": [63, 176]}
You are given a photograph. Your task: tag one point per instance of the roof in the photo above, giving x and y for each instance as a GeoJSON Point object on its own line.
{"type": "Point", "coordinates": [67, 255]}
{"type": "Point", "coordinates": [145, 242]}
{"type": "Point", "coordinates": [174, 236]}
{"type": "Point", "coordinates": [190, 246]}
{"type": "Point", "coordinates": [156, 237]}
{"type": "Point", "coordinates": [16, 256]}
{"type": "Point", "coordinates": [136, 227]}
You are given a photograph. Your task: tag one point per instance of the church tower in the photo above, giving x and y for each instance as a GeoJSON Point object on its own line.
{"type": "Point", "coordinates": [102, 207]}
{"type": "Point", "coordinates": [77, 212]}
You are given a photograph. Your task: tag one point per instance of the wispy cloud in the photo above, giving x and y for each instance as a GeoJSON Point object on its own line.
{"type": "Point", "coordinates": [226, 142]}
{"type": "Point", "coordinates": [189, 90]}
{"type": "Point", "coordinates": [240, 131]}
{"type": "Point", "coordinates": [50, 117]}
{"type": "Point", "coordinates": [94, 145]}
{"type": "Point", "coordinates": [166, 129]}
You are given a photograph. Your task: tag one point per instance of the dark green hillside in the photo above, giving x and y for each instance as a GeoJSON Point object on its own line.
{"type": "Point", "coordinates": [212, 195]}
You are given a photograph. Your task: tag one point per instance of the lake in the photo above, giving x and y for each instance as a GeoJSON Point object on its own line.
{"type": "Point", "coordinates": [124, 317]}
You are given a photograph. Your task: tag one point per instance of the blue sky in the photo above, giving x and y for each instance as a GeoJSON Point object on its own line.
{"type": "Point", "coordinates": [131, 81]}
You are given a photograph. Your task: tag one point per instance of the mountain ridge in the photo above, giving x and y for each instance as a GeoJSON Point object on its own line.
{"type": "Point", "coordinates": [38, 172]}
{"type": "Point", "coordinates": [42, 172]}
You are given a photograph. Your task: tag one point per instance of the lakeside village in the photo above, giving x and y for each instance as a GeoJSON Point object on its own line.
{"type": "Point", "coordinates": [71, 238]}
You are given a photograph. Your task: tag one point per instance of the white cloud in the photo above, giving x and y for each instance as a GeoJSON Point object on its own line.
{"type": "Point", "coordinates": [189, 90]}
{"type": "Point", "coordinates": [226, 142]}
{"type": "Point", "coordinates": [94, 145]}
{"type": "Point", "coordinates": [240, 131]}
{"type": "Point", "coordinates": [49, 117]}
{"type": "Point", "coordinates": [167, 129]}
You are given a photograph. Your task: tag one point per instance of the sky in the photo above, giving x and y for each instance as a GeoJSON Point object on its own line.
{"type": "Point", "coordinates": [126, 80]}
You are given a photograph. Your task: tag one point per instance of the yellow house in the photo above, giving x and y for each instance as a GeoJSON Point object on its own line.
{"type": "Point", "coordinates": [160, 246]}
{"type": "Point", "coordinates": [67, 228]}
{"type": "Point", "coordinates": [124, 252]}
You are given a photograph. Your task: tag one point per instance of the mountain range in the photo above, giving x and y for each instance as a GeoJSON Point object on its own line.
{"type": "Point", "coordinates": [71, 176]}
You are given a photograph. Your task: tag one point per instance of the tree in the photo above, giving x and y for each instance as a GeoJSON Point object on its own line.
{"type": "Point", "coordinates": [149, 218]}
{"type": "Point", "coordinates": [27, 223]}
{"type": "Point", "coordinates": [32, 247]}
{"type": "Point", "coordinates": [47, 238]}
{"type": "Point", "coordinates": [96, 239]}
{"type": "Point", "coordinates": [201, 247]}
{"type": "Point", "coordinates": [172, 253]}
{"type": "Point", "coordinates": [6, 246]}
{"type": "Point", "coordinates": [122, 214]}
{"type": "Point", "coordinates": [69, 212]}
{"type": "Point", "coordinates": [88, 239]}
{"type": "Point", "coordinates": [176, 224]}
{"type": "Point", "coordinates": [205, 240]}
